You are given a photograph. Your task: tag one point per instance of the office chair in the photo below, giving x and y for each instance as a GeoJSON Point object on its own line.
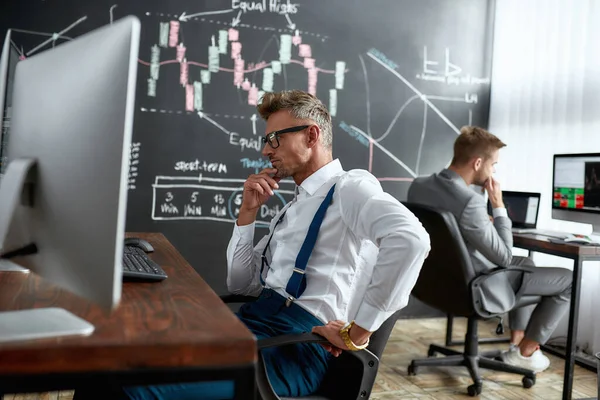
{"type": "Point", "coordinates": [349, 376]}
{"type": "Point", "coordinates": [446, 282]}
{"type": "Point", "coordinates": [451, 342]}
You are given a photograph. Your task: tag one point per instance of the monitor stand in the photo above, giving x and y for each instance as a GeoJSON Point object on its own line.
{"type": "Point", "coordinates": [16, 189]}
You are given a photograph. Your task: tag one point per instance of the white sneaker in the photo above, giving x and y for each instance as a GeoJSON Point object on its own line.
{"type": "Point", "coordinates": [513, 347]}
{"type": "Point", "coordinates": [537, 362]}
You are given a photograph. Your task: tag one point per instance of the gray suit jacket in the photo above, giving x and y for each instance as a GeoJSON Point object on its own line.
{"type": "Point", "coordinates": [489, 244]}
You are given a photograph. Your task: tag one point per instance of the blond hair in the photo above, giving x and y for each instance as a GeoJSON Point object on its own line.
{"type": "Point", "coordinates": [301, 105]}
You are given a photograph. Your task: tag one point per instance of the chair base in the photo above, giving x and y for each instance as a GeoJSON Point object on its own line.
{"type": "Point", "coordinates": [481, 341]}
{"type": "Point", "coordinates": [472, 360]}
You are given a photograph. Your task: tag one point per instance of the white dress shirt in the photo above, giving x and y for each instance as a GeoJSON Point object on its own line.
{"type": "Point", "coordinates": [368, 254]}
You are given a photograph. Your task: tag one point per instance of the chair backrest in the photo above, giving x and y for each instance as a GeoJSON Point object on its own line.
{"type": "Point", "coordinates": [444, 279]}
{"type": "Point", "coordinates": [380, 337]}
{"type": "Point", "coordinates": [345, 373]}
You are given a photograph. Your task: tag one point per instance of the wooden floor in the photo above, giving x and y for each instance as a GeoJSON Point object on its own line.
{"type": "Point", "coordinates": [410, 339]}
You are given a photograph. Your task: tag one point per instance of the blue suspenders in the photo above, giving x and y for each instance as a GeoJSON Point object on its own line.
{"type": "Point", "coordinates": [297, 282]}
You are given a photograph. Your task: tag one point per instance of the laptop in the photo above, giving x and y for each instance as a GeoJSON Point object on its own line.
{"type": "Point", "coordinates": [522, 208]}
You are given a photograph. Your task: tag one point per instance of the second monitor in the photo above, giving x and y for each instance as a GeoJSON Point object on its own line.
{"type": "Point", "coordinates": [576, 189]}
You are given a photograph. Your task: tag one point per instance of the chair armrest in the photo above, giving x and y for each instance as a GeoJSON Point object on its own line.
{"type": "Point", "coordinates": [505, 270]}
{"type": "Point", "coordinates": [369, 361]}
{"type": "Point", "coordinates": [479, 282]}
{"type": "Point", "coordinates": [237, 298]}
{"type": "Point", "coordinates": [285, 340]}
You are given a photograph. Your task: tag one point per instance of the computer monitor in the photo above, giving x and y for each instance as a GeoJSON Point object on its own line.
{"type": "Point", "coordinates": [8, 63]}
{"type": "Point", "coordinates": [576, 189]}
{"type": "Point", "coordinates": [63, 196]}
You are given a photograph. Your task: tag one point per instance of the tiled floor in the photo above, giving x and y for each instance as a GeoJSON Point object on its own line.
{"type": "Point", "coordinates": [410, 339]}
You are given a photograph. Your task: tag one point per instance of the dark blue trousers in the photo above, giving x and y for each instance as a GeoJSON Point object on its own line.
{"type": "Point", "coordinates": [295, 370]}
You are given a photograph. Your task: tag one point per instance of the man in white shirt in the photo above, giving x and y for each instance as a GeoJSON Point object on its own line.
{"type": "Point", "coordinates": [370, 248]}
{"type": "Point", "coordinates": [342, 250]}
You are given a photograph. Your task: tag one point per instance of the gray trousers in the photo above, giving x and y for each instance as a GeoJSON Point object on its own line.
{"type": "Point", "coordinates": [554, 286]}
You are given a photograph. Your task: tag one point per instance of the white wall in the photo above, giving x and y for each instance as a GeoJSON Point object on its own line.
{"type": "Point", "coordinates": [546, 100]}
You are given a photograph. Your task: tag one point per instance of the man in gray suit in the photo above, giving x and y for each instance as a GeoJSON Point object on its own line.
{"type": "Point", "coordinates": [489, 242]}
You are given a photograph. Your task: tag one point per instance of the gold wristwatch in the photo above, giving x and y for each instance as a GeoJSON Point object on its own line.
{"type": "Point", "coordinates": [345, 333]}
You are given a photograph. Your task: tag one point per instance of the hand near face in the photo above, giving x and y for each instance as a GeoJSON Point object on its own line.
{"type": "Point", "coordinates": [494, 191]}
{"type": "Point", "coordinates": [258, 188]}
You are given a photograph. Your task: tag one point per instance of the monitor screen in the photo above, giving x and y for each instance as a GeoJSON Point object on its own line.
{"type": "Point", "coordinates": [576, 182]}
{"type": "Point", "coordinates": [522, 208]}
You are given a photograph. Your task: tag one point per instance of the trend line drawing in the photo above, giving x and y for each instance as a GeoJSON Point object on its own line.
{"type": "Point", "coordinates": [452, 77]}
{"type": "Point", "coordinates": [41, 33]}
{"type": "Point", "coordinates": [417, 92]}
{"type": "Point", "coordinates": [185, 17]}
{"type": "Point", "coordinates": [446, 98]}
{"type": "Point", "coordinates": [422, 138]}
{"type": "Point", "coordinates": [55, 36]}
{"type": "Point", "coordinates": [367, 93]}
{"type": "Point", "coordinates": [259, 66]}
{"type": "Point", "coordinates": [203, 116]}
{"type": "Point", "coordinates": [386, 151]}
{"type": "Point", "coordinates": [389, 129]}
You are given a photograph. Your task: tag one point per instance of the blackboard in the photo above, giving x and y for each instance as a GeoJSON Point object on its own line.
{"type": "Point", "coordinates": [400, 78]}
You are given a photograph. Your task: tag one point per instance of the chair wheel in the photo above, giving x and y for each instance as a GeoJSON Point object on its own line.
{"type": "Point", "coordinates": [528, 382]}
{"type": "Point", "coordinates": [474, 390]}
{"type": "Point", "coordinates": [412, 370]}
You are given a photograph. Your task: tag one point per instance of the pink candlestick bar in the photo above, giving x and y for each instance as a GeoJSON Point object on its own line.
{"type": "Point", "coordinates": [183, 72]}
{"type": "Point", "coordinates": [296, 39]}
{"type": "Point", "coordinates": [174, 33]}
{"type": "Point", "coordinates": [304, 50]}
{"type": "Point", "coordinates": [253, 96]}
{"type": "Point", "coordinates": [233, 34]}
{"type": "Point", "coordinates": [189, 98]}
{"type": "Point", "coordinates": [309, 63]}
{"type": "Point", "coordinates": [246, 85]}
{"type": "Point", "coordinates": [236, 50]}
{"type": "Point", "coordinates": [238, 72]}
{"type": "Point", "coordinates": [312, 81]}
{"type": "Point", "coordinates": [180, 52]}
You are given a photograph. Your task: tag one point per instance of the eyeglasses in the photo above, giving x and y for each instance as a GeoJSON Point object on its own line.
{"type": "Point", "coordinates": [273, 137]}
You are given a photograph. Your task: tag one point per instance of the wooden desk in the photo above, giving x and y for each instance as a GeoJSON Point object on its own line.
{"type": "Point", "coordinates": [579, 254]}
{"type": "Point", "coordinates": [171, 331]}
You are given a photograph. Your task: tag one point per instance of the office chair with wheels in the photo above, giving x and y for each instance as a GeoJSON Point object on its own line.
{"type": "Point", "coordinates": [447, 282]}
{"type": "Point", "coordinates": [349, 376]}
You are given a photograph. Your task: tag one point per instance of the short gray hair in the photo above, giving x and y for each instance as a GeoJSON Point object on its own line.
{"type": "Point", "coordinates": [302, 105]}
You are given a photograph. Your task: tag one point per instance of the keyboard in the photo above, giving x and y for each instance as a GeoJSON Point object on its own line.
{"type": "Point", "coordinates": [137, 266]}
{"type": "Point", "coordinates": [542, 232]}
